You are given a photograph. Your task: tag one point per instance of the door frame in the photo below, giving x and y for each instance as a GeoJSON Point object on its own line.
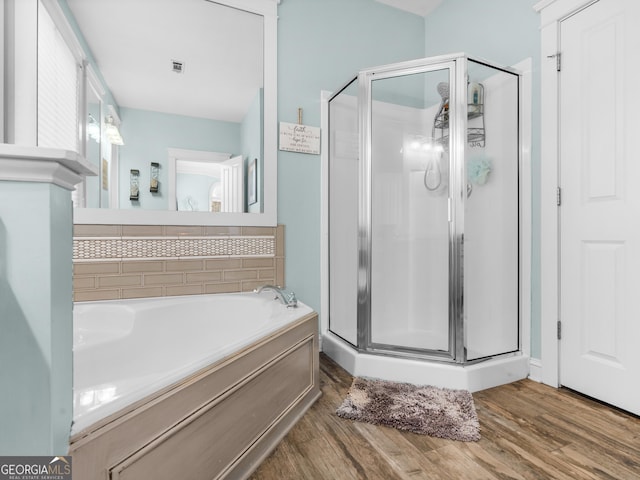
{"type": "Point", "coordinates": [553, 12]}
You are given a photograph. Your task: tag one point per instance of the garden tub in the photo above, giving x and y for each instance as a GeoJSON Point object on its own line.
{"type": "Point", "coordinates": [200, 386]}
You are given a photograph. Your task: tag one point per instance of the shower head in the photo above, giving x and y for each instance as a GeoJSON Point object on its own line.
{"type": "Point", "coordinates": [443, 90]}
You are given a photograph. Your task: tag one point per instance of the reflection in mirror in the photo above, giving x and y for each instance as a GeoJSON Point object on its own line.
{"type": "Point", "coordinates": [205, 181]}
{"type": "Point", "coordinates": [95, 190]}
{"type": "Point", "coordinates": [187, 75]}
{"type": "Point", "coordinates": [198, 187]}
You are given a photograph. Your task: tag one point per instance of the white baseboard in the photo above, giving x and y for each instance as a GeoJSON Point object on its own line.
{"type": "Point", "coordinates": [535, 370]}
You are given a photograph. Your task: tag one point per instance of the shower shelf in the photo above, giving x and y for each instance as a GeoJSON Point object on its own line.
{"type": "Point", "coordinates": [475, 137]}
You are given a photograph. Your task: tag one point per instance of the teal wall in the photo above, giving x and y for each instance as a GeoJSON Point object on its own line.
{"type": "Point", "coordinates": [147, 136]}
{"type": "Point", "coordinates": [321, 46]}
{"type": "Point", "coordinates": [36, 319]}
{"type": "Point", "coordinates": [506, 33]}
{"type": "Point", "coordinates": [347, 36]}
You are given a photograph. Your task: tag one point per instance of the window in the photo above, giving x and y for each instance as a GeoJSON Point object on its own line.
{"type": "Point", "coordinates": [59, 87]}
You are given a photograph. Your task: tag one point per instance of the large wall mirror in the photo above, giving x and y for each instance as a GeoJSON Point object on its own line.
{"type": "Point", "coordinates": [191, 87]}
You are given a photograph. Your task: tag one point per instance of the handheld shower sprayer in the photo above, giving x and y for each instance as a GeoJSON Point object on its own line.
{"type": "Point", "coordinates": [432, 175]}
{"type": "Point", "coordinates": [443, 91]}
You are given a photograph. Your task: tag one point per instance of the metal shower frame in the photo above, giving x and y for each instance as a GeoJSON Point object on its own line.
{"type": "Point", "coordinates": [457, 65]}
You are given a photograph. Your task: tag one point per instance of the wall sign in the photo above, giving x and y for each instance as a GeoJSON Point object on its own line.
{"type": "Point", "coordinates": [299, 138]}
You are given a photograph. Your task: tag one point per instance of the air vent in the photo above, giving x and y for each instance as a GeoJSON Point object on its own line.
{"type": "Point", "coordinates": [177, 66]}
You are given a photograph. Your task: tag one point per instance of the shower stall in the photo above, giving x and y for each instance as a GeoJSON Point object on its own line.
{"type": "Point", "coordinates": [423, 223]}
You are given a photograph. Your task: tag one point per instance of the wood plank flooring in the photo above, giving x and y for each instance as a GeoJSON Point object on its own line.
{"type": "Point", "coordinates": [529, 431]}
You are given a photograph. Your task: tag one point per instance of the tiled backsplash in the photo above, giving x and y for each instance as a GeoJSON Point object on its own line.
{"type": "Point", "coordinates": [132, 261]}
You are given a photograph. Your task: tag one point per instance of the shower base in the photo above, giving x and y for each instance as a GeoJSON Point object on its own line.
{"type": "Point", "coordinates": [478, 376]}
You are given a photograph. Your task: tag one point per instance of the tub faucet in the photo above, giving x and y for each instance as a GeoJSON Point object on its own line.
{"type": "Point", "coordinates": [287, 297]}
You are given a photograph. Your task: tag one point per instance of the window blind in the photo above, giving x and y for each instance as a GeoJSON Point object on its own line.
{"type": "Point", "coordinates": [58, 87]}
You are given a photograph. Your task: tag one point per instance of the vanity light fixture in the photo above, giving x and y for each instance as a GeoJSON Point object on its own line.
{"type": "Point", "coordinates": [93, 129]}
{"type": "Point", "coordinates": [112, 131]}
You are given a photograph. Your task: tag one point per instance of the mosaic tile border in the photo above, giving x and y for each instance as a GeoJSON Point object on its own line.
{"type": "Point", "coordinates": [92, 249]}
{"type": "Point", "coordinates": [135, 261]}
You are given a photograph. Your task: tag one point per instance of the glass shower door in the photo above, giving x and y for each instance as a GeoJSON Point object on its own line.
{"type": "Point", "coordinates": [409, 198]}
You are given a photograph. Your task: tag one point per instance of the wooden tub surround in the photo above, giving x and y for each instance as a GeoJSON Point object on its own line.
{"type": "Point", "coordinates": [220, 422]}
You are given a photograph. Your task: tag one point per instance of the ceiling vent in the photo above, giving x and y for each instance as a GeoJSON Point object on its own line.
{"type": "Point", "coordinates": [177, 66]}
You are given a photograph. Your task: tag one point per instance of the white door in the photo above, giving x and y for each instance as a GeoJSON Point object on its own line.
{"type": "Point", "coordinates": [600, 202]}
{"type": "Point", "coordinates": [232, 180]}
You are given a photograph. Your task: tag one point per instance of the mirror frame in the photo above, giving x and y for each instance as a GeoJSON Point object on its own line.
{"type": "Point", "coordinates": [268, 218]}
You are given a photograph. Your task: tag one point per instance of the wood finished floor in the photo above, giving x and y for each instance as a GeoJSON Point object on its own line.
{"type": "Point", "coordinates": [529, 431]}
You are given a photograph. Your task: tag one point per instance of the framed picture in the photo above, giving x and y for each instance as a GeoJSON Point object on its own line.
{"type": "Point", "coordinates": [252, 182]}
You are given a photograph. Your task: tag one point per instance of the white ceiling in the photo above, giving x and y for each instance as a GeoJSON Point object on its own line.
{"type": "Point", "coordinates": [135, 41]}
{"type": "Point", "coordinates": [419, 7]}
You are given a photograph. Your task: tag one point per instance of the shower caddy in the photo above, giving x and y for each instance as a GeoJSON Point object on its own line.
{"type": "Point", "coordinates": [475, 113]}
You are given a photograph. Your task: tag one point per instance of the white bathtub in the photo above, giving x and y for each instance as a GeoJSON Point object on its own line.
{"type": "Point", "coordinates": [124, 350]}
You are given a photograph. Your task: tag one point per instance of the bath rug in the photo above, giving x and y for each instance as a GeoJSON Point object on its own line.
{"type": "Point", "coordinates": [427, 410]}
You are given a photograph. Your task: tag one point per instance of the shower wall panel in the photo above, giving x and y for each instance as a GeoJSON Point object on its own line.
{"type": "Point", "coordinates": [343, 216]}
{"type": "Point", "coordinates": [491, 221]}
